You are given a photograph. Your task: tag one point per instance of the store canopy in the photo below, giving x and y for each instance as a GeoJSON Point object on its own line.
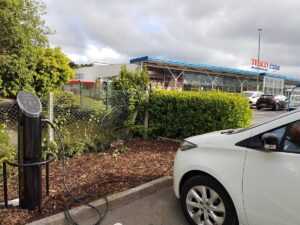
{"type": "Point", "coordinates": [184, 64]}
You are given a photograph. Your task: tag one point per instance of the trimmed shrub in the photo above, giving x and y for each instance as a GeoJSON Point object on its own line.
{"type": "Point", "coordinates": [179, 114]}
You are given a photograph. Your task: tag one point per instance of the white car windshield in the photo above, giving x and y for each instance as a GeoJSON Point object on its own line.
{"type": "Point", "coordinates": [248, 94]}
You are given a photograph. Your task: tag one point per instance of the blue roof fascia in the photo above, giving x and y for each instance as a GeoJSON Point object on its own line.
{"type": "Point", "coordinates": [204, 66]}
{"type": "Point", "coordinates": [293, 79]}
{"type": "Point", "coordinates": [194, 65]}
{"type": "Point", "coordinates": [140, 59]}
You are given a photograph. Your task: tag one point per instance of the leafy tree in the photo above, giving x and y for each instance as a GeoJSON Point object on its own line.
{"type": "Point", "coordinates": [26, 61]}
{"type": "Point", "coordinates": [16, 71]}
{"type": "Point", "coordinates": [73, 65]}
{"type": "Point", "coordinates": [128, 97]}
{"type": "Point", "coordinates": [44, 70]}
{"type": "Point", "coordinates": [52, 70]}
{"type": "Point", "coordinates": [132, 84]}
{"type": "Point", "coordinates": [21, 25]}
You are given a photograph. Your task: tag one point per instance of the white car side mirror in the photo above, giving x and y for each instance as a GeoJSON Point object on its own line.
{"type": "Point", "coordinates": [271, 141]}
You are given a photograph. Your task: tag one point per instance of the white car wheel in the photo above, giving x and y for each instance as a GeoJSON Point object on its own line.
{"type": "Point", "coordinates": [205, 202]}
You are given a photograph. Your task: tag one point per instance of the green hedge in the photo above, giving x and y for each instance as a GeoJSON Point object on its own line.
{"type": "Point", "coordinates": [180, 114]}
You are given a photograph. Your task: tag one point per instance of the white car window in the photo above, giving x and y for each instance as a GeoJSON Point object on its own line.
{"type": "Point", "coordinates": [288, 135]}
{"type": "Point", "coordinates": [256, 95]}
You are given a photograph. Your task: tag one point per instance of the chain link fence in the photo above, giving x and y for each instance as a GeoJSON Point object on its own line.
{"type": "Point", "coordinates": [85, 124]}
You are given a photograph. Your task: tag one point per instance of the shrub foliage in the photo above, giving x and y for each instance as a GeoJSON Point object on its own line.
{"type": "Point", "coordinates": [79, 126]}
{"type": "Point", "coordinates": [130, 84]}
{"type": "Point", "coordinates": [7, 150]}
{"type": "Point", "coordinates": [26, 60]}
{"type": "Point", "coordinates": [177, 114]}
{"type": "Point", "coordinates": [128, 96]}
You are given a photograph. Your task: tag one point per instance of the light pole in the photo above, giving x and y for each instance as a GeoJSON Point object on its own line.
{"type": "Point", "coordinates": [258, 55]}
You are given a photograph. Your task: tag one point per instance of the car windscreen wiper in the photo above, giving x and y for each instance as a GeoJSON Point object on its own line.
{"type": "Point", "coordinates": [228, 131]}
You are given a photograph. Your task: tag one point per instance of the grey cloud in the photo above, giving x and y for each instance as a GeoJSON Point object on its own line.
{"type": "Point", "coordinates": [215, 32]}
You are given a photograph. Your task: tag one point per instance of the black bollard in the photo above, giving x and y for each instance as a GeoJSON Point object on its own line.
{"type": "Point", "coordinates": [29, 150]}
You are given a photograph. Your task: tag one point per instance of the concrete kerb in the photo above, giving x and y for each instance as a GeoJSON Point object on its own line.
{"type": "Point", "coordinates": [82, 213]}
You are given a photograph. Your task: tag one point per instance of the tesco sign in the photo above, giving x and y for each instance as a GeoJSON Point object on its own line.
{"type": "Point", "coordinates": [264, 65]}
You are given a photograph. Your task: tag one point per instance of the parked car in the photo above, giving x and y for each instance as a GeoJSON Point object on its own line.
{"type": "Point", "coordinates": [252, 96]}
{"type": "Point", "coordinates": [245, 176]}
{"type": "Point", "coordinates": [274, 102]}
{"type": "Point", "coordinates": [294, 102]}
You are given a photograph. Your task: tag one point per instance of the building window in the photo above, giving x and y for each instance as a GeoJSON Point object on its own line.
{"type": "Point", "coordinates": [273, 85]}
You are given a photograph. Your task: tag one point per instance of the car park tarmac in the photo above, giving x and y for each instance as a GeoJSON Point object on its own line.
{"type": "Point", "coordinates": [265, 114]}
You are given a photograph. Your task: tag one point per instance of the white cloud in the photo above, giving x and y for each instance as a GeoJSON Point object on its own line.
{"type": "Point", "coordinates": [93, 53]}
{"type": "Point", "coordinates": [213, 32]}
{"type": "Point", "coordinates": [97, 53]}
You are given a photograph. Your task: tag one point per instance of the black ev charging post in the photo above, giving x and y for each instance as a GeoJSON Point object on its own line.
{"type": "Point", "coordinates": [29, 149]}
{"type": "Point", "coordinates": [29, 153]}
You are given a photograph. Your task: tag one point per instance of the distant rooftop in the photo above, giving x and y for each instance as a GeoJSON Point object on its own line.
{"type": "Point", "coordinates": [209, 67]}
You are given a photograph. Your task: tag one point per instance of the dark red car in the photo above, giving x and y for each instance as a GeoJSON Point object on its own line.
{"type": "Point", "coordinates": [274, 102]}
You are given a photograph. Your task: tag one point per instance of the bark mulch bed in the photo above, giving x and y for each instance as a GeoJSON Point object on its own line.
{"type": "Point", "coordinates": [143, 160]}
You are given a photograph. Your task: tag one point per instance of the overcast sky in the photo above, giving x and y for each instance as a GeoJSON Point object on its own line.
{"type": "Point", "coordinates": [216, 32]}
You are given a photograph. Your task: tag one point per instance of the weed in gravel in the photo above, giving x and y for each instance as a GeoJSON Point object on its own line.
{"type": "Point", "coordinates": [119, 151]}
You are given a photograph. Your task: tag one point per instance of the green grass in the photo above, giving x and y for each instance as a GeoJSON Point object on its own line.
{"type": "Point", "coordinates": [90, 104]}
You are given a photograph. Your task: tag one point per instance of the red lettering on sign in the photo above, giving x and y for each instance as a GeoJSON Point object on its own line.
{"type": "Point", "coordinates": [262, 63]}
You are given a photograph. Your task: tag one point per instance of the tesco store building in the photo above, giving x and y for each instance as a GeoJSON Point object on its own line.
{"type": "Point", "coordinates": [180, 75]}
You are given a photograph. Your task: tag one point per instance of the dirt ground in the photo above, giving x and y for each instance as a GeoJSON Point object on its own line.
{"type": "Point", "coordinates": [95, 175]}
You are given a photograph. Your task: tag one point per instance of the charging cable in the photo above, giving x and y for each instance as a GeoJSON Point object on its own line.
{"type": "Point", "coordinates": [81, 198]}
{"type": "Point", "coordinates": [73, 198]}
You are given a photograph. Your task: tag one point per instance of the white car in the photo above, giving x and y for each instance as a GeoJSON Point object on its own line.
{"type": "Point", "coordinates": [246, 176]}
{"type": "Point", "coordinates": [252, 96]}
{"type": "Point", "coordinates": [294, 102]}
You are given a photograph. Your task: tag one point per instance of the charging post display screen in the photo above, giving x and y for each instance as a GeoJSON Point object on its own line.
{"type": "Point", "coordinates": [29, 104]}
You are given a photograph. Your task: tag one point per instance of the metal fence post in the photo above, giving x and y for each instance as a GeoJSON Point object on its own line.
{"type": "Point", "coordinates": [80, 94]}
{"type": "Point", "coordinates": [5, 185]}
{"type": "Point", "coordinates": [50, 136]}
{"type": "Point", "coordinates": [146, 119]}
{"type": "Point", "coordinates": [51, 117]}
{"type": "Point", "coordinates": [106, 98]}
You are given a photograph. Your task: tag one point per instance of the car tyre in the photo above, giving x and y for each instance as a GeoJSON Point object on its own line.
{"type": "Point", "coordinates": [258, 108]}
{"type": "Point", "coordinates": [204, 199]}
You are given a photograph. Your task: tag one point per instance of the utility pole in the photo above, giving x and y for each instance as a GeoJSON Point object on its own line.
{"type": "Point", "coordinates": [258, 55]}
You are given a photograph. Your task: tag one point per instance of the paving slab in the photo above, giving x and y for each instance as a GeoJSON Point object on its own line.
{"type": "Point", "coordinates": [84, 213]}
{"type": "Point", "coordinates": [159, 208]}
